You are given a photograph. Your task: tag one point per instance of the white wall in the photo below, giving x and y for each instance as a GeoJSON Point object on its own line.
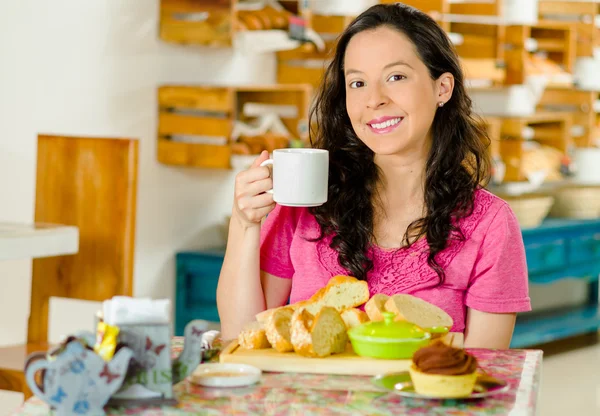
{"type": "Point", "coordinates": [92, 68]}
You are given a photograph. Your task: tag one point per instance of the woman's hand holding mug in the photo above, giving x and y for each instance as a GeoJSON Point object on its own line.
{"type": "Point", "coordinates": [252, 201]}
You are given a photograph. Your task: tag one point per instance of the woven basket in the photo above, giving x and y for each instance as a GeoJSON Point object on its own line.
{"type": "Point", "coordinates": [530, 210]}
{"type": "Point", "coordinates": [580, 202]}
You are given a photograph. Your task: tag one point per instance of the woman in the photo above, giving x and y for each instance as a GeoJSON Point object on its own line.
{"type": "Point", "coordinates": [406, 211]}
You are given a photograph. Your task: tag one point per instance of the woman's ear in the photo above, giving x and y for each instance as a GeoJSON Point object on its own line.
{"type": "Point", "coordinates": [445, 86]}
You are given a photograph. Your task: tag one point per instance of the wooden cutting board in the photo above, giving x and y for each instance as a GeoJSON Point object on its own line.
{"type": "Point", "coordinates": [347, 363]}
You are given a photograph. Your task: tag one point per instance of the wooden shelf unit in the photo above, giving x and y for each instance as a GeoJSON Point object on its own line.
{"type": "Point", "coordinates": [210, 112]}
{"type": "Point", "coordinates": [207, 22]}
{"type": "Point", "coordinates": [583, 16]}
{"type": "Point", "coordinates": [306, 64]}
{"type": "Point", "coordinates": [556, 40]}
{"type": "Point", "coordinates": [581, 104]}
{"type": "Point", "coordinates": [549, 128]}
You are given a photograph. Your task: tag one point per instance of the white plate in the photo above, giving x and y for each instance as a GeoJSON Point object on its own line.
{"type": "Point", "coordinates": [225, 375]}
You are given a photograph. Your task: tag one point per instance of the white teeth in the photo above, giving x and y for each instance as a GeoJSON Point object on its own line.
{"type": "Point", "coordinates": [387, 123]}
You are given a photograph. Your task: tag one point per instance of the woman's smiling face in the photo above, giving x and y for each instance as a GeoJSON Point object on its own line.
{"type": "Point", "coordinates": [390, 97]}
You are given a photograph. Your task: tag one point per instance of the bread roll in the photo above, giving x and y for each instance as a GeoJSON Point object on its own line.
{"type": "Point", "coordinates": [375, 306]}
{"type": "Point", "coordinates": [253, 337]}
{"type": "Point", "coordinates": [417, 311]}
{"type": "Point", "coordinates": [277, 328]}
{"type": "Point", "coordinates": [265, 19]}
{"type": "Point", "coordinates": [251, 21]}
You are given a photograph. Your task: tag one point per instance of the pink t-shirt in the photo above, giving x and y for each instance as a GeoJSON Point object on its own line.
{"type": "Point", "coordinates": [486, 272]}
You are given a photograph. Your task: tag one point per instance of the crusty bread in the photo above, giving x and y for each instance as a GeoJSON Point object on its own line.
{"type": "Point", "coordinates": [277, 328]}
{"type": "Point", "coordinates": [320, 335]}
{"type": "Point", "coordinates": [375, 306]}
{"type": "Point", "coordinates": [417, 311]}
{"type": "Point", "coordinates": [253, 337]}
{"type": "Point", "coordinates": [341, 292]}
{"type": "Point", "coordinates": [353, 317]}
{"type": "Point", "coordinates": [263, 316]}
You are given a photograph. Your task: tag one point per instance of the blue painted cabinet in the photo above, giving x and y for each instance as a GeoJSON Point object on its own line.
{"type": "Point", "coordinates": [197, 275]}
{"type": "Point", "coordinates": [556, 250]}
{"type": "Point", "coordinates": [561, 249]}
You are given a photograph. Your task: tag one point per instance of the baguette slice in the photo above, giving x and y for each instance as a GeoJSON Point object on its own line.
{"type": "Point", "coordinates": [320, 335]}
{"type": "Point", "coordinates": [253, 337]}
{"type": "Point", "coordinates": [341, 292]}
{"type": "Point", "coordinates": [353, 317]}
{"type": "Point", "coordinates": [263, 316]}
{"type": "Point", "coordinates": [417, 311]}
{"type": "Point", "coordinates": [278, 329]}
{"type": "Point", "coordinates": [375, 306]}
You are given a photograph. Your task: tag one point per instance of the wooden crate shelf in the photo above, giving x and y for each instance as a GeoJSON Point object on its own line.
{"type": "Point", "coordinates": [195, 123]}
{"type": "Point", "coordinates": [582, 104]}
{"type": "Point", "coordinates": [555, 40]}
{"type": "Point", "coordinates": [307, 64]}
{"type": "Point", "coordinates": [209, 22]}
{"type": "Point", "coordinates": [552, 129]}
{"type": "Point", "coordinates": [581, 14]}
{"type": "Point", "coordinates": [214, 22]}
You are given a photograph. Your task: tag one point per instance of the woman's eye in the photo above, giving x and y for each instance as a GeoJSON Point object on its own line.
{"type": "Point", "coordinates": [396, 77]}
{"type": "Point", "coordinates": [357, 84]}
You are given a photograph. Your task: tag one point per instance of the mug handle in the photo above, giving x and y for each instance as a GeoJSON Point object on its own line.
{"type": "Point", "coordinates": [32, 368]}
{"type": "Point", "coordinates": [265, 163]}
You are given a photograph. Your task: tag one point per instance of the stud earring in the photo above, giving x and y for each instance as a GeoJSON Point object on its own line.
{"type": "Point", "coordinates": [441, 104]}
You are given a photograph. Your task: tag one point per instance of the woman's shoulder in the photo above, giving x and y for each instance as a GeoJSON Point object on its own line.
{"type": "Point", "coordinates": [486, 208]}
{"type": "Point", "coordinates": [294, 217]}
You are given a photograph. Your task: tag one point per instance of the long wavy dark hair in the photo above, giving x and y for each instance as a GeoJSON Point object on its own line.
{"type": "Point", "coordinates": [458, 162]}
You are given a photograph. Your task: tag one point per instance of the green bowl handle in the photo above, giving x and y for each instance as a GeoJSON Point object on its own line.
{"type": "Point", "coordinates": [388, 317]}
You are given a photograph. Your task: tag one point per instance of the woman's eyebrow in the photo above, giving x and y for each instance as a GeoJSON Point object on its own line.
{"type": "Point", "coordinates": [395, 63]}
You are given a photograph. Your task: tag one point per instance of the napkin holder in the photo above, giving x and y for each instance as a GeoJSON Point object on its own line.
{"type": "Point", "coordinates": [151, 373]}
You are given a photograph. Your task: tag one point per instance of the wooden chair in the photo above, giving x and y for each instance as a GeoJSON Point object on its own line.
{"type": "Point", "coordinates": [90, 183]}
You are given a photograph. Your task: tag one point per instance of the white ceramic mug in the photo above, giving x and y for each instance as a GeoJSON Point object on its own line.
{"type": "Point", "coordinates": [300, 176]}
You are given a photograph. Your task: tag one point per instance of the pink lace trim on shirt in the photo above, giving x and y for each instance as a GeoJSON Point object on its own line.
{"type": "Point", "coordinates": [405, 270]}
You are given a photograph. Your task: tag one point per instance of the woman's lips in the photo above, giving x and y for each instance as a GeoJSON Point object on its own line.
{"type": "Point", "coordinates": [386, 125]}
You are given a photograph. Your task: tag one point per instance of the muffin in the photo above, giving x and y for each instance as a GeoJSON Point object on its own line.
{"type": "Point", "coordinates": [439, 370]}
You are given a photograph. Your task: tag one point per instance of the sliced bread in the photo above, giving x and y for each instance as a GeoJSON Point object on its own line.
{"type": "Point", "coordinates": [353, 317]}
{"type": "Point", "coordinates": [341, 292]}
{"type": "Point", "coordinates": [417, 311]}
{"type": "Point", "coordinates": [253, 337]}
{"type": "Point", "coordinates": [277, 328]}
{"type": "Point", "coordinates": [375, 306]}
{"type": "Point", "coordinates": [320, 335]}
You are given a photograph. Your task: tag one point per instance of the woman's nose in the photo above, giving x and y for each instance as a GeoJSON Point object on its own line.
{"type": "Point", "coordinates": [377, 98]}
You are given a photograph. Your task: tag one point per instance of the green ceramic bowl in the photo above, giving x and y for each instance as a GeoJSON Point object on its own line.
{"type": "Point", "coordinates": [388, 339]}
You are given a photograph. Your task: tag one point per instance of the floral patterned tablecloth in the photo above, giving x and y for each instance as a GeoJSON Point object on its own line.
{"type": "Point", "coordinates": [311, 394]}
